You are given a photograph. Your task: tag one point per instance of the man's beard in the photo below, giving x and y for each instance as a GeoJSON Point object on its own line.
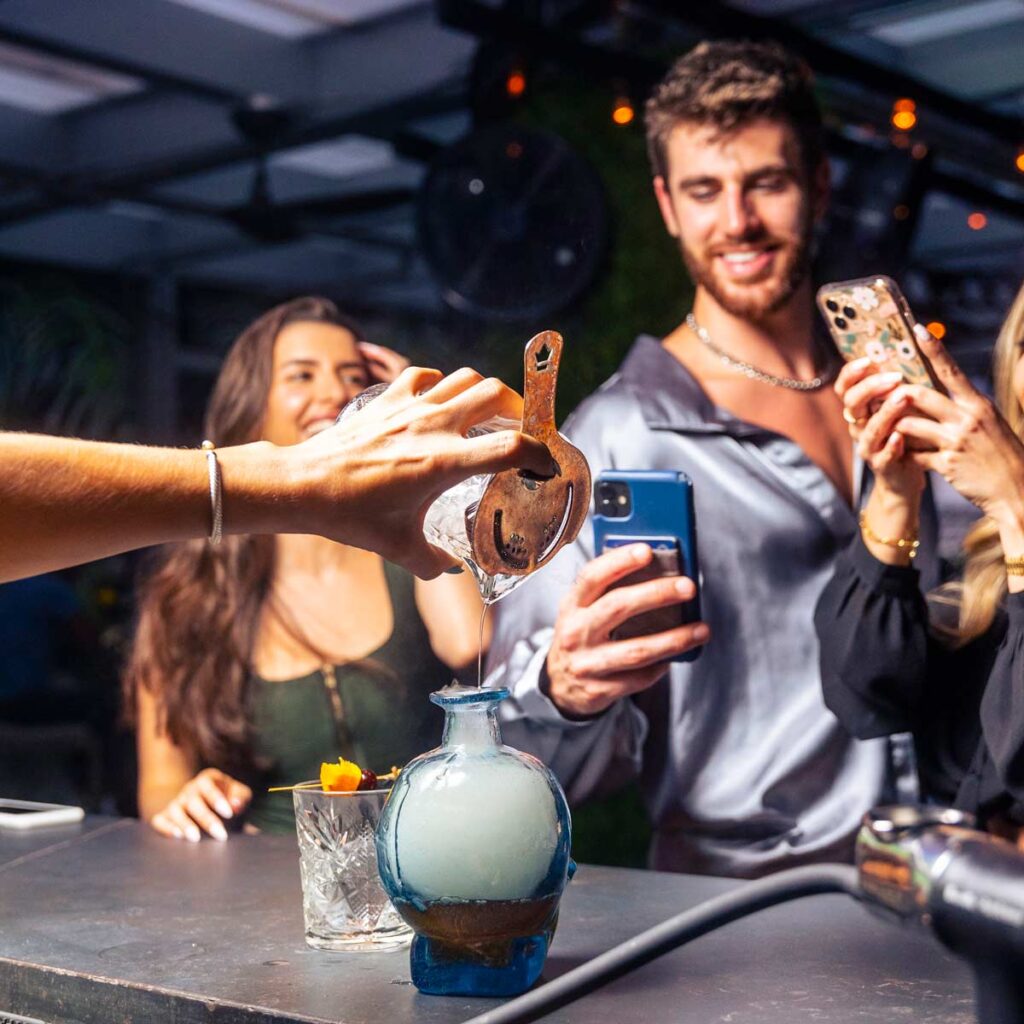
{"type": "Point", "coordinates": [756, 304]}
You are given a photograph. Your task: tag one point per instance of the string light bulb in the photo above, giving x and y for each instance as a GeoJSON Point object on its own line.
{"type": "Point", "coordinates": [904, 114]}
{"type": "Point", "coordinates": [623, 111]}
{"type": "Point", "coordinates": [515, 83]}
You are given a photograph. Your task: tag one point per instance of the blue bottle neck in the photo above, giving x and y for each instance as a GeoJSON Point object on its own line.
{"type": "Point", "coordinates": [473, 726]}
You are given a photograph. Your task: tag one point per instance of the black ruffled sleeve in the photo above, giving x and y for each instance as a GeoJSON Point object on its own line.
{"type": "Point", "coordinates": [1002, 707]}
{"type": "Point", "coordinates": [872, 625]}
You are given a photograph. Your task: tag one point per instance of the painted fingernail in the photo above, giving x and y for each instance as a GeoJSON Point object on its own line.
{"type": "Point", "coordinates": [223, 808]}
{"type": "Point", "coordinates": [218, 831]}
{"type": "Point", "coordinates": [701, 633]}
{"type": "Point", "coordinates": [192, 835]}
{"type": "Point", "coordinates": [638, 552]}
{"type": "Point", "coordinates": [684, 588]}
{"type": "Point", "coordinates": [922, 333]}
{"type": "Point", "coordinates": [892, 378]}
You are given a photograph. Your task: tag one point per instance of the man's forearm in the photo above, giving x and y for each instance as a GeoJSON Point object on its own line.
{"type": "Point", "coordinates": [64, 501]}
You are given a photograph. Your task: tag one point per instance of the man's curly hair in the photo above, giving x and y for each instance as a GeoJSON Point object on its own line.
{"type": "Point", "coordinates": [729, 83]}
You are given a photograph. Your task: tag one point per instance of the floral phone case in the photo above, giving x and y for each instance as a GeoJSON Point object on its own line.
{"type": "Point", "coordinates": [869, 317]}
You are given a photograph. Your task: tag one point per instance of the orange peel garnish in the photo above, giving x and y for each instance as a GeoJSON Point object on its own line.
{"type": "Point", "coordinates": [341, 776]}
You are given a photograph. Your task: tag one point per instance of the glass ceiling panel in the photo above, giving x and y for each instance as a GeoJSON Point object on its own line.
{"type": "Point", "coordinates": [52, 85]}
{"type": "Point", "coordinates": [339, 158]}
{"type": "Point", "coordinates": [295, 19]}
{"type": "Point", "coordinates": [955, 19]}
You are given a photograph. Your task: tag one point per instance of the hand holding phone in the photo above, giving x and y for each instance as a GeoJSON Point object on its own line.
{"type": "Point", "coordinates": [635, 607]}
{"type": "Point", "coordinates": [655, 508]}
{"type": "Point", "coordinates": [869, 317]}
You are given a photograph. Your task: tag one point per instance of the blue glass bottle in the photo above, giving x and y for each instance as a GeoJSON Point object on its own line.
{"type": "Point", "coordinates": [473, 849]}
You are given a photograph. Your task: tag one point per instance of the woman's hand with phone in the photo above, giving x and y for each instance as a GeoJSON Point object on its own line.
{"type": "Point", "coordinates": [586, 670]}
{"type": "Point", "coordinates": [963, 437]}
{"type": "Point", "coordinates": [873, 404]}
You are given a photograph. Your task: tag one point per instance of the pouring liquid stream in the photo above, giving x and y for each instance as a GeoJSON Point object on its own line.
{"type": "Point", "coordinates": [480, 646]}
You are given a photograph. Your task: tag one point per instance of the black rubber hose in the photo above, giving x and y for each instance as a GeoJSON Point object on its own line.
{"type": "Point", "coordinates": [671, 934]}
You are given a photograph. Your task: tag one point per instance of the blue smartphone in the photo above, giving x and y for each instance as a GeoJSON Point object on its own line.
{"type": "Point", "coordinates": [653, 507]}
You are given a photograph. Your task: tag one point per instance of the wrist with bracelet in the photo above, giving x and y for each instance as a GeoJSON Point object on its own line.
{"type": "Point", "coordinates": [216, 494]}
{"type": "Point", "coordinates": [906, 544]}
{"type": "Point", "coordinates": [1009, 521]}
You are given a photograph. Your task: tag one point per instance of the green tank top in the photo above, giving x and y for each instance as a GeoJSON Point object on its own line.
{"type": "Point", "coordinates": [375, 712]}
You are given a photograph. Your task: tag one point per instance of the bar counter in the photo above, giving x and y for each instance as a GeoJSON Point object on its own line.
{"type": "Point", "coordinates": [106, 921]}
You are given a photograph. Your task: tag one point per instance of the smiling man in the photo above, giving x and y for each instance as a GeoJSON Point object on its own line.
{"type": "Point", "coordinates": [743, 769]}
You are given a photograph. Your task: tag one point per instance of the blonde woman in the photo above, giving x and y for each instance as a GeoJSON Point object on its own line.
{"type": "Point", "coordinates": [949, 668]}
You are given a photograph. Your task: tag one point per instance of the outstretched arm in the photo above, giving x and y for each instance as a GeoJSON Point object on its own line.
{"type": "Point", "coordinates": [366, 482]}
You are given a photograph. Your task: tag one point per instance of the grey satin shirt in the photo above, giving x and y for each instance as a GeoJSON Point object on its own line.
{"type": "Point", "coordinates": [743, 768]}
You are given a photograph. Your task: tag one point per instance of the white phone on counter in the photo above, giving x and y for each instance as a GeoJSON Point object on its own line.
{"type": "Point", "coordinates": [25, 814]}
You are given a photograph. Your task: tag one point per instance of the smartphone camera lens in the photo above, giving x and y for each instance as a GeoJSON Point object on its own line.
{"type": "Point", "coordinates": [840, 323]}
{"type": "Point", "coordinates": [613, 500]}
{"type": "Point", "coordinates": [849, 312]}
{"type": "Point", "coordinates": [832, 305]}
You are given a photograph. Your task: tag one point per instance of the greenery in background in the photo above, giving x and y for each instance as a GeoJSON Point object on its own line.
{"type": "Point", "coordinates": [64, 359]}
{"type": "Point", "coordinates": [644, 286]}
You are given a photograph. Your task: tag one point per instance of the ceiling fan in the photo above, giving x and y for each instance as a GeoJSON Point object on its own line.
{"type": "Point", "coordinates": [513, 223]}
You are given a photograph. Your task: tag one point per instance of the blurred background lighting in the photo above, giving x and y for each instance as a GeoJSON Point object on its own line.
{"type": "Point", "coordinates": [904, 115]}
{"type": "Point", "coordinates": [937, 329]}
{"type": "Point", "coordinates": [515, 84]}
{"type": "Point", "coordinates": [977, 220]}
{"type": "Point", "coordinates": [623, 112]}
{"type": "Point", "coordinates": [903, 120]}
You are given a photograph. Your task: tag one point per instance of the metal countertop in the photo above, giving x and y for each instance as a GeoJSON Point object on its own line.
{"type": "Point", "coordinates": [106, 921]}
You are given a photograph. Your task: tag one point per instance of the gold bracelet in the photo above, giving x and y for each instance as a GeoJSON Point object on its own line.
{"type": "Point", "coordinates": [1015, 566]}
{"type": "Point", "coordinates": [908, 544]}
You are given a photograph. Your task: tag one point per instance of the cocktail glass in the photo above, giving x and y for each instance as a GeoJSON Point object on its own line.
{"type": "Point", "coordinates": [343, 902]}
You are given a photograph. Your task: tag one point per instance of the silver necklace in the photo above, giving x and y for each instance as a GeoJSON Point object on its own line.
{"type": "Point", "coordinates": [793, 383]}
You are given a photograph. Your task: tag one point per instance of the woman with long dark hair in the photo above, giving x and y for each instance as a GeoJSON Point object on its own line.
{"type": "Point", "coordinates": [255, 660]}
{"type": "Point", "coordinates": [949, 665]}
